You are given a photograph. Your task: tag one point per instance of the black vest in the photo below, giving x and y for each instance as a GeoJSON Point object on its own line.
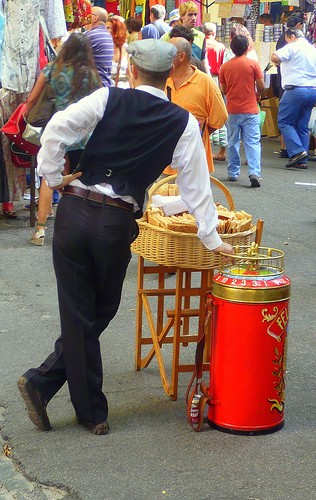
{"type": "Point", "coordinates": [133, 143]}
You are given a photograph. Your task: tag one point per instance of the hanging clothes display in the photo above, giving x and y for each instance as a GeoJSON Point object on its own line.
{"type": "Point", "coordinates": [138, 10]}
{"type": "Point", "coordinates": [311, 27]}
{"type": "Point", "coordinates": [53, 13]}
{"type": "Point", "coordinates": [21, 47]}
{"type": "Point", "coordinates": [20, 65]}
{"type": "Point", "coordinates": [69, 13]}
{"type": "Point", "coordinates": [125, 8]}
{"type": "Point", "coordinates": [112, 6]}
{"type": "Point", "coordinates": [1, 33]}
{"type": "Point", "coordinates": [77, 12]}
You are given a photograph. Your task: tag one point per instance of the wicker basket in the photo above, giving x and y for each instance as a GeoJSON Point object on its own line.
{"type": "Point", "coordinates": [184, 250]}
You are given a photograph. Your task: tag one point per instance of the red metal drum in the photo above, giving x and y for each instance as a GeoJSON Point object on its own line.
{"type": "Point", "coordinates": [248, 346]}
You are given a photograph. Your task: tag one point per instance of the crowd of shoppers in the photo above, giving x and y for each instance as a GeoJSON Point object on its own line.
{"type": "Point", "coordinates": [109, 37]}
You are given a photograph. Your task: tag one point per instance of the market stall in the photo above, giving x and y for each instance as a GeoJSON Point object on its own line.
{"type": "Point", "coordinates": [23, 51]}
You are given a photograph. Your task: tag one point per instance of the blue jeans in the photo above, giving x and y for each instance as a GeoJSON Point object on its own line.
{"type": "Point", "coordinates": [55, 197]}
{"type": "Point", "coordinates": [293, 116]}
{"type": "Point", "coordinates": [246, 127]}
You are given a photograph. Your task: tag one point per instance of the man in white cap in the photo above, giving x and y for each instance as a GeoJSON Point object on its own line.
{"type": "Point", "coordinates": [135, 134]}
{"type": "Point", "coordinates": [174, 18]}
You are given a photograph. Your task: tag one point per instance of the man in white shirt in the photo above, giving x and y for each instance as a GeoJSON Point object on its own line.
{"type": "Point", "coordinates": [157, 26]}
{"type": "Point", "coordinates": [135, 135]}
{"type": "Point", "coordinates": [297, 61]}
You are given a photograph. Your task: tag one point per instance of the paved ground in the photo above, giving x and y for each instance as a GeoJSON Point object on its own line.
{"type": "Point", "coordinates": [151, 453]}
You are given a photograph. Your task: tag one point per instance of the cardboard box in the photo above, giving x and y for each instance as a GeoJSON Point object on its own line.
{"type": "Point", "coordinates": [270, 106]}
{"type": "Point", "coordinates": [272, 102]}
{"type": "Point", "coordinates": [264, 130]}
{"type": "Point", "coordinates": [267, 93]}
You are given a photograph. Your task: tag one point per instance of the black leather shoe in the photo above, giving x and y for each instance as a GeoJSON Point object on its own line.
{"type": "Point", "coordinates": [99, 429]}
{"type": "Point", "coordinates": [254, 181]}
{"type": "Point", "coordinates": [283, 153]}
{"type": "Point", "coordinates": [297, 159]}
{"type": "Point", "coordinates": [34, 404]}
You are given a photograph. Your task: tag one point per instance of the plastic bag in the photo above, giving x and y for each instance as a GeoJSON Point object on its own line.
{"type": "Point", "coordinates": [262, 115]}
{"type": "Point", "coordinates": [312, 122]}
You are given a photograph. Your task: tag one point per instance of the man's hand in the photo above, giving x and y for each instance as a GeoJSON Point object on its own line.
{"type": "Point", "coordinates": [226, 248]}
{"type": "Point", "coordinates": [67, 179]}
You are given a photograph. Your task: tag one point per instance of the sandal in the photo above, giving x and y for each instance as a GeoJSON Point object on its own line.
{"type": "Point", "coordinates": [8, 210]}
{"type": "Point", "coordinates": [38, 237]}
{"type": "Point", "coordinates": [219, 158]}
{"type": "Point", "coordinates": [10, 214]}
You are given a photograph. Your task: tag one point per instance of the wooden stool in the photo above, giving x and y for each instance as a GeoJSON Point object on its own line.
{"type": "Point", "coordinates": [175, 321]}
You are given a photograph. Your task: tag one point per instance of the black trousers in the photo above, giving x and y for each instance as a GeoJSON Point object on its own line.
{"type": "Point", "coordinates": [91, 252]}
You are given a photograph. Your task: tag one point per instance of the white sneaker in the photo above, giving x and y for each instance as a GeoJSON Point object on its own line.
{"type": "Point", "coordinates": [27, 196]}
{"type": "Point", "coordinates": [38, 237]}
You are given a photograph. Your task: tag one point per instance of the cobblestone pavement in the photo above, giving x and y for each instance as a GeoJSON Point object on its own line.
{"type": "Point", "coordinates": [14, 485]}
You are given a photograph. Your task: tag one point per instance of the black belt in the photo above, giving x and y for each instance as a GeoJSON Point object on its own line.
{"type": "Point", "coordinates": [98, 197]}
{"type": "Point", "coordinates": [291, 87]}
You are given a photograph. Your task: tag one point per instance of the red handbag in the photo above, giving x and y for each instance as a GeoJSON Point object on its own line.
{"type": "Point", "coordinates": [14, 129]}
{"type": "Point", "coordinates": [19, 158]}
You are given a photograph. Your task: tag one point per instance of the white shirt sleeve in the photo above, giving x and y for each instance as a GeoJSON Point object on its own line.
{"type": "Point", "coordinates": [284, 54]}
{"type": "Point", "coordinates": [194, 183]}
{"type": "Point", "coordinates": [68, 127]}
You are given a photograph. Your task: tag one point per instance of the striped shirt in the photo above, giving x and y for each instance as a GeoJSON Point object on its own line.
{"type": "Point", "coordinates": [103, 51]}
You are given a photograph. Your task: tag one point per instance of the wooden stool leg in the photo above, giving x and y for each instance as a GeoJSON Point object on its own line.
{"type": "Point", "coordinates": [160, 301]}
{"type": "Point", "coordinates": [187, 302]}
{"type": "Point", "coordinates": [176, 336]}
{"type": "Point", "coordinates": [139, 313]}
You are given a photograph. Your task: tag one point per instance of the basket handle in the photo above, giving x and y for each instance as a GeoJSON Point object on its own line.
{"type": "Point", "coordinates": [156, 185]}
{"type": "Point", "coordinates": [219, 184]}
{"type": "Point", "coordinates": [227, 193]}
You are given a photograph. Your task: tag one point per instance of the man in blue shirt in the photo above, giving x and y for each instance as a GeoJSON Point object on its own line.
{"type": "Point", "coordinates": [102, 44]}
{"type": "Point", "coordinates": [157, 26]}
